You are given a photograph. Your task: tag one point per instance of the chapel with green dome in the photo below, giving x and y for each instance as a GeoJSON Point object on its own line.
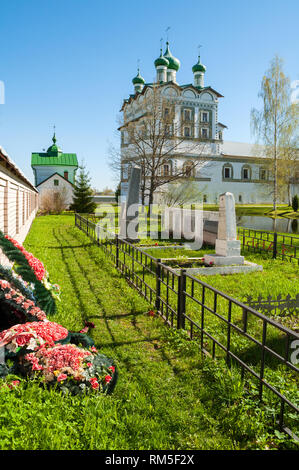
{"type": "Point", "coordinates": [54, 161]}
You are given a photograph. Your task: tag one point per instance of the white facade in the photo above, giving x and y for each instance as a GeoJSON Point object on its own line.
{"type": "Point", "coordinates": [222, 166]}
{"type": "Point", "coordinates": [56, 183]}
{"type": "Point", "coordinates": [18, 201]}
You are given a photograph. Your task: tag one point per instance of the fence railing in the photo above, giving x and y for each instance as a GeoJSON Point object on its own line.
{"type": "Point", "coordinates": [280, 245]}
{"type": "Point", "coordinates": [223, 326]}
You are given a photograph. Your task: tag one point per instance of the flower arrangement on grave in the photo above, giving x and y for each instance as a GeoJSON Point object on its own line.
{"type": "Point", "coordinates": [31, 272]}
{"type": "Point", "coordinates": [71, 368]}
{"type": "Point", "coordinates": [37, 347]}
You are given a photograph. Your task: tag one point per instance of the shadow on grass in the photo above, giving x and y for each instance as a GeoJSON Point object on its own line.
{"type": "Point", "coordinates": [252, 355]}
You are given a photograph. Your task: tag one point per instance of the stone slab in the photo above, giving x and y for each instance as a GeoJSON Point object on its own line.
{"type": "Point", "coordinates": [219, 260]}
{"type": "Point", "coordinates": [226, 270]}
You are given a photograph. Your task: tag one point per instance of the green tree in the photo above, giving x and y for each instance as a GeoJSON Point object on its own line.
{"type": "Point", "coordinates": [295, 203]}
{"type": "Point", "coordinates": [83, 194]}
{"type": "Point", "coordinates": [276, 124]}
{"type": "Point", "coordinates": [117, 192]}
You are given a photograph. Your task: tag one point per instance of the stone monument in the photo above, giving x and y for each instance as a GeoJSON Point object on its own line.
{"type": "Point", "coordinates": [227, 247]}
{"type": "Point", "coordinates": [129, 209]}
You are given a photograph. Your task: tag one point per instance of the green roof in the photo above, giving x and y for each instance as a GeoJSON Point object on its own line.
{"type": "Point", "coordinates": [54, 157]}
{"type": "Point", "coordinates": [64, 159]}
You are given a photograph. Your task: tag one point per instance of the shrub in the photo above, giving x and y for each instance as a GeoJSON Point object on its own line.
{"type": "Point", "coordinates": [53, 201]}
{"type": "Point", "coordinates": [295, 203]}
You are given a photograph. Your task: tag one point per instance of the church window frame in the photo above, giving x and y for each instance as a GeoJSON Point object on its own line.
{"type": "Point", "coordinates": [56, 182]}
{"type": "Point", "coordinates": [263, 174]}
{"type": "Point", "coordinates": [204, 116]}
{"type": "Point", "coordinates": [187, 131]}
{"type": "Point", "coordinates": [205, 133]}
{"type": "Point", "coordinates": [227, 171]}
{"type": "Point", "coordinates": [188, 169]}
{"type": "Point", "coordinates": [246, 173]}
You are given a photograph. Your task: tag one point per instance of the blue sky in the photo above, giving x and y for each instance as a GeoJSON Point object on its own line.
{"type": "Point", "coordinates": [71, 62]}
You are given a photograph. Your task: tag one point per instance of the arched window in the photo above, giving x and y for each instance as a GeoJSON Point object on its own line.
{"type": "Point", "coordinates": [246, 172]}
{"type": "Point", "coordinates": [227, 171]}
{"type": "Point", "coordinates": [189, 170]}
{"type": "Point", "coordinates": [263, 174]}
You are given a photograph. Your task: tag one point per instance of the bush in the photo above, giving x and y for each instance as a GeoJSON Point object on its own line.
{"type": "Point", "coordinates": [295, 203]}
{"type": "Point", "coordinates": [53, 202]}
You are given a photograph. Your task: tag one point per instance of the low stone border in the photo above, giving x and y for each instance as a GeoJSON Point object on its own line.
{"type": "Point", "coordinates": [247, 267]}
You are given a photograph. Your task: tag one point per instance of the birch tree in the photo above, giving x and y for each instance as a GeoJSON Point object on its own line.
{"type": "Point", "coordinates": [276, 124]}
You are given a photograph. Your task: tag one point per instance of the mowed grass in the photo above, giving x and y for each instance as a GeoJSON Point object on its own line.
{"type": "Point", "coordinates": [167, 395]}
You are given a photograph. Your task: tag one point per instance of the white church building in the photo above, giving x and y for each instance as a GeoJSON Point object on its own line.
{"type": "Point", "coordinates": [223, 166]}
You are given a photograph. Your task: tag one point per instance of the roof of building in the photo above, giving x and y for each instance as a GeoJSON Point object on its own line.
{"type": "Point", "coordinates": [188, 85]}
{"type": "Point", "coordinates": [53, 157]}
{"type": "Point", "coordinates": [65, 159]}
{"type": "Point", "coordinates": [242, 149]}
{"type": "Point", "coordinates": [4, 158]}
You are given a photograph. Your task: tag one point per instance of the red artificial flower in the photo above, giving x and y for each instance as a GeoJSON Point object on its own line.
{"type": "Point", "coordinates": [112, 368]}
{"type": "Point", "coordinates": [61, 377]}
{"type": "Point", "coordinates": [108, 378]}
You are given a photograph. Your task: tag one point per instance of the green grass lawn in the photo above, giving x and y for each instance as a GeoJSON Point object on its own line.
{"type": "Point", "coordinates": [167, 395]}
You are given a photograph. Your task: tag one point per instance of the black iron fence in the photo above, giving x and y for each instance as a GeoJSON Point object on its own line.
{"type": "Point", "coordinates": [279, 245]}
{"type": "Point", "coordinates": [223, 326]}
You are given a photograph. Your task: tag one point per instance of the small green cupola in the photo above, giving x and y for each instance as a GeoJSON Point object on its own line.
{"type": "Point", "coordinates": [161, 65]}
{"type": "Point", "coordinates": [138, 82]}
{"type": "Point", "coordinates": [173, 64]}
{"type": "Point", "coordinates": [199, 71]}
{"type": "Point", "coordinates": [54, 150]}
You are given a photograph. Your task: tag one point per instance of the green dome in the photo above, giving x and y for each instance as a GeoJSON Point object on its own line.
{"type": "Point", "coordinates": [198, 67]}
{"type": "Point", "coordinates": [54, 149]}
{"type": "Point", "coordinates": [161, 61]}
{"type": "Point", "coordinates": [174, 63]}
{"type": "Point", "coordinates": [138, 79]}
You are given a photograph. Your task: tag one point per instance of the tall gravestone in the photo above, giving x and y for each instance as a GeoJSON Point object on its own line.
{"type": "Point", "coordinates": [129, 209]}
{"type": "Point", "coordinates": [227, 247]}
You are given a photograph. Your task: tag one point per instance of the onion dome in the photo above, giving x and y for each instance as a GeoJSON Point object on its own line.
{"type": "Point", "coordinates": [161, 60]}
{"type": "Point", "coordinates": [138, 80]}
{"type": "Point", "coordinates": [198, 67]}
{"type": "Point", "coordinates": [54, 149]}
{"type": "Point", "coordinates": [174, 63]}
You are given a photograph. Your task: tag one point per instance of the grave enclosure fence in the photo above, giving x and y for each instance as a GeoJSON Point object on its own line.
{"type": "Point", "coordinates": [222, 326]}
{"type": "Point", "coordinates": [279, 245]}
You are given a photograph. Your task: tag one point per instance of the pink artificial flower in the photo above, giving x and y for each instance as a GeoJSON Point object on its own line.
{"type": "Point", "coordinates": [61, 377]}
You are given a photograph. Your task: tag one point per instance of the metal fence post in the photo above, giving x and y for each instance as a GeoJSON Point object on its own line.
{"type": "Point", "coordinates": [117, 250]}
{"type": "Point", "coordinates": [275, 245]}
{"type": "Point", "coordinates": [158, 284]}
{"type": "Point", "coordinates": [181, 299]}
